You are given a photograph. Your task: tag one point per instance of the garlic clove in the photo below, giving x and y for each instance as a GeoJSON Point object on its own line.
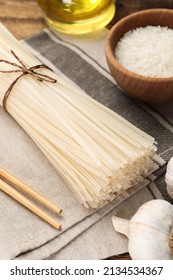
{"type": "Point", "coordinates": [150, 231]}
{"type": "Point", "coordinates": [121, 225]}
{"type": "Point", "coordinates": [169, 177]}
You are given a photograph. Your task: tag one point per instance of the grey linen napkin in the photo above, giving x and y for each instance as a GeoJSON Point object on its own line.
{"type": "Point", "coordinates": [25, 236]}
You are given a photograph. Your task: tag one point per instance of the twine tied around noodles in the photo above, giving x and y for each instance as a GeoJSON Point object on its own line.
{"type": "Point", "coordinates": [24, 70]}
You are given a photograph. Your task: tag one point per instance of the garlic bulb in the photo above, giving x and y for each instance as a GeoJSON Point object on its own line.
{"type": "Point", "coordinates": [169, 177]}
{"type": "Point", "coordinates": [150, 231]}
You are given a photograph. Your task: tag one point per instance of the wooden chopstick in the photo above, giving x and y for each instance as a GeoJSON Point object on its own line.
{"type": "Point", "coordinates": [28, 204]}
{"type": "Point", "coordinates": [5, 174]}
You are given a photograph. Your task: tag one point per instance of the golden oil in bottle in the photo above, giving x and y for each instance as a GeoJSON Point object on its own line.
{"type": "Point", "coordinates": [77, 16]}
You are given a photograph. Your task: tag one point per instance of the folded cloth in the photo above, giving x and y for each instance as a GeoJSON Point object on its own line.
{"type": "Point", "coordinates": [109, 241]}
{"type": "Point", "coordinates": [25, 236]}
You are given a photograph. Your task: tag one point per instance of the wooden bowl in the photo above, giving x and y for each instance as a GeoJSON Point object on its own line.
{"type": "Point", "coordinates": [154, 90]}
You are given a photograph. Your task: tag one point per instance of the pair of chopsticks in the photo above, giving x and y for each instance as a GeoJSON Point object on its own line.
{"type": "Point", "coordinates": [26, 202]}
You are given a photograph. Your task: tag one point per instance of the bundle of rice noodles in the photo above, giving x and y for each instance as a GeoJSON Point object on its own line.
{"type": "Point", "coordinates": [98, 153]}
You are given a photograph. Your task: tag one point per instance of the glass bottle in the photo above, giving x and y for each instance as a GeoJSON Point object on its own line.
{"type": "Point", "coordinates": [77, 16]}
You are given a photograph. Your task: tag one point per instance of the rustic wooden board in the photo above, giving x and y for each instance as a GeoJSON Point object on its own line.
{"type": "Point", "coordinates": [22, 17]}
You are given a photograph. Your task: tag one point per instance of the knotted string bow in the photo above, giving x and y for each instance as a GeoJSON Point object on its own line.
{"type": "Point", "coordinates": [24, 70]}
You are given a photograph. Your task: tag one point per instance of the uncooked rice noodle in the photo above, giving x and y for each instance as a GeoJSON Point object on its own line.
{"type": "Point", "coordinates": [98, 153]}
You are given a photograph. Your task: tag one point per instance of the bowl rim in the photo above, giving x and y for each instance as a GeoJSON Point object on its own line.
{"type": "Point", "coordinates": [111, 55]}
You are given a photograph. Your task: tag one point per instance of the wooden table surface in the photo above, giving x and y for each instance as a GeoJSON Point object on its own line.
{"type": "Point", "coordinates": [24, 18]}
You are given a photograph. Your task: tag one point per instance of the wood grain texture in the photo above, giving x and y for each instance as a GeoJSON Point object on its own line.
{"type": "Point", "coordinates": [24, 18]}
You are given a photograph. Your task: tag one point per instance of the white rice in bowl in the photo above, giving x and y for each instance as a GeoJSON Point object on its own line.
{"type": "Point", "coordinates": [147, 51]}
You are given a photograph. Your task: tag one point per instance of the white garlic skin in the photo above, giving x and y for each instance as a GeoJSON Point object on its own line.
{"type": "Point", "coordinates": [150, 231]}
{"type": "Point", "coordinates": [169, 177]}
